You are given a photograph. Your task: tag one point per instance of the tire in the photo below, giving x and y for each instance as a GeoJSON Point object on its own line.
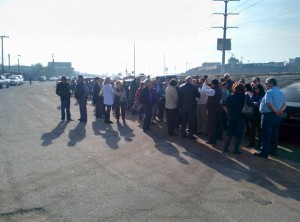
{"type": "Point", "coordinates": [0, 86]}
{"type": "Point", "coordinates": [7, 85]}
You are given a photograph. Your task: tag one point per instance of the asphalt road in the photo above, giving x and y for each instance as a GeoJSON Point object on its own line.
{"type": "Point", "coordinates": [70, 171]}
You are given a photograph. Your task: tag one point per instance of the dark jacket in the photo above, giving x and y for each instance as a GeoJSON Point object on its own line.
{"type": "Point", "coordinates": [145, 97]}
{"type": "Point", "coordinates": [81, 91]}
{"type": "Point", "coordinates": [235, 103]}
{"type": "Point", "coordinates": [96, 91]}
{"type": "Point", "coordinates": [213, 102]}
{"type": "Point", "coordinates": [63, 91]}
{"type": "Point", "coordinates": [187, 96]}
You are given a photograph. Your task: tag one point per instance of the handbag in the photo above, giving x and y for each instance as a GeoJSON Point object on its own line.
{"type": "Point", "coordinates": [247, 110]}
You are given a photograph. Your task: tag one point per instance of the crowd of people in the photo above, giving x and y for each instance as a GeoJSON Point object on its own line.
{"type": "Point", "coordinates": [197, 105]}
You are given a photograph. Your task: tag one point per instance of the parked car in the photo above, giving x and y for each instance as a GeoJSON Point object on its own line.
{"type": "Point", "coordinates": [42, 78]}
{"type": "Point", "coordinates": [4, 82]}
{"type": "Point", "coordinates": [53, 79]}
{"type": "Point", "coordinates": [290, 125]}
{"type": "Point", "coordinates": [14, 81]}
{"type": "Point", "coordinates": [20, 77]}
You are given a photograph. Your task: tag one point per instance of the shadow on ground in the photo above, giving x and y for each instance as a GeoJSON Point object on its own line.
{"type": "Point", "coordinates": [275, 174]}
{"type": "Point", "coordinates": [54, 134]}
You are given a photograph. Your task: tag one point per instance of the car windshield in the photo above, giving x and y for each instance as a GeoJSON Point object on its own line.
{"type": "Point", "coordinates": [292, 93]}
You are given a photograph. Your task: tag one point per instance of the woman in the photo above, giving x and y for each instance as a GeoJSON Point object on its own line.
{"type": "Point", "coordinates": [258, 94]}
{"type": "Point", "coordinates": [108, 94]}
{"type": "Point", "coordinates": [120, 101]}
{"type": "Point", "coordinates": [236, 121]}
{"type": "Point", "coordinates": [171, 106]}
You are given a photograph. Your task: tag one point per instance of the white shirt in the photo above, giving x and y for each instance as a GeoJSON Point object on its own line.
{"type": "Point", "coordinates": [203, 98]}
{"type": "Point", "coordinates": [108, 93]}
{"type": "Point", "coordinates": [207, 90]}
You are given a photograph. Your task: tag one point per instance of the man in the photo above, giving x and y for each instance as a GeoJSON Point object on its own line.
{"type": "Point", "coordinates": [214, 108]}
{"type": "Point", "coordinates": [255, 81]}
{"type": "Point", "coordinates": [188, 102]}
{"type": "Point", "coordinates": [228, 81]}
{"type": "Point", "coordinates": [146, 99]}
{"type": "Point", "coordinates": [63, 91]}
{"type": "Point", "coordinates": [81, 94]}
{"type": "Point", "coordinates": [201, 110]}
{"type": "Point", "coordinates": [97, 99]}
{"type": "Point", "coordinates": [271, 108]}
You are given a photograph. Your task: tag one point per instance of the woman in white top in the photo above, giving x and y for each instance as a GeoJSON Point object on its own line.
{"type": "Point", "coordinates": [171, 106]}
{"type": "Point", "coordinates": [108, 94]}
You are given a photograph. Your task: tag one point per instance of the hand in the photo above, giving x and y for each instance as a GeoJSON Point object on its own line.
{"type": "Point", "coordinates": [278, 113]}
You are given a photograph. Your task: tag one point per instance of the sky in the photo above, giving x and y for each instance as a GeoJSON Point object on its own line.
{"type": "Point", "coordinates": [98, 36]}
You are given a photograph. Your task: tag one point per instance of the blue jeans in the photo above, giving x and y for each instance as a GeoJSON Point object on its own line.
{"type": "Point", "coordinates": [269, 133]}
{"type": "Point", "coordinates": [65, 108]}
{"type": "Point", "coordinates": [82, 108]}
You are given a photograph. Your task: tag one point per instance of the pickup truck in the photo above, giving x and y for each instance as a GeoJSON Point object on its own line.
{"type": "Point", "coordinates": [4, 82]}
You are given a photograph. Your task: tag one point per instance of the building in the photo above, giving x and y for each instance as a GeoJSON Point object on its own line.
{"type": "Point", "coordinates": [56, 69]}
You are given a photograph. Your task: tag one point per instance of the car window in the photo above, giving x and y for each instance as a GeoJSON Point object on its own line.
{"type": "Point", "coordinates": [292, 93]}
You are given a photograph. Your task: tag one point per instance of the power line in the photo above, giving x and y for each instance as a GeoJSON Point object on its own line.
{"type": "Point", "coordinates": [250, 6]}
{"type": "Point", "coordinates": [275, 16]}
{"type": "Point", "coordinates": [209, 26]}
{"type": "Point", "coordinates": [240, 5]}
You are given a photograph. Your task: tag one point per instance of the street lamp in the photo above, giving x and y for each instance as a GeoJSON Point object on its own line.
{"type": "Point", "coordinates": [2, 37]}
{"type": "Point", "coordinates": [19, 64]}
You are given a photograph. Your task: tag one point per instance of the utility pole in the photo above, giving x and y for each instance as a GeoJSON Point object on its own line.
{"type": "Point", "coordinates": [134, 59]}
{"type": "Point", "coordinates": [164, 64]}
{"type": "Point", "coordinates": [53, 63]}
{"type": "Point", "coordinates": [19, 64]}
{"type": "Point", "coordinates": [224, 30]}
{"type": "Point", "coordinates": [2, 37]}
{"type": "Point", "coordinates": [8, 63]}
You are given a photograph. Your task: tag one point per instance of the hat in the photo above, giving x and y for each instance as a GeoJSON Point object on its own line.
{"type": "Point", "coordinates": [226, 75]}
{"type": "Point", "coordinates": [63, 78]}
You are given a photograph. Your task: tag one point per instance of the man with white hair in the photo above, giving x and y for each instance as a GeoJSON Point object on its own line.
{"type": "Point", "coordinates": [271, 107]}
{"type": "Point", "coordinates": [188, 94]}
{"type": "Point", "coordinates": [228, 81]}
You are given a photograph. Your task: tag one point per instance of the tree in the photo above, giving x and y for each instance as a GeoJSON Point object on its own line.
{"type": "Point", "coordinates": [233, 61]}
{"type": "Point", "coordinates": [37, 70]}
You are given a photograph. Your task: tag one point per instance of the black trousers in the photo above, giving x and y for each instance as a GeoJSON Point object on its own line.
{"type": "Point", "coordinates": [107, 112]}
{"type": "Point", "coordinates": [212, 120]}
{"type": "Point", "coordinates": [171, 120]}
{"type": "Point", "coordinates": [148, 114]}
{"type": "Point", "coordinates": [188, 117]}
{"type": "Point", "coordinates": [120, 106]}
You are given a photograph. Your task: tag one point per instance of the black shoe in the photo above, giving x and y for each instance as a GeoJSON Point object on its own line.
{"type": "Point", "coordinates": [62, 119]}
{"type": "Point", "coordinates": [124, 121]}
{"type": "Point", "coordinates": [259, 154]}
{"type": "Point", "coordinates": [237, 152]}
{"type": "Point", "coordinates": [273, 154]}
{"type": "Point", "coordinates": [226, 150]}
{"type": "Point", "coordinates": [210, 142]}
{"type": "Point", "coordinates": [192, 137]}
{"type": "Point", "coordinates": [183, 136]}
{"type": "Point", "coordinates": [109, 122]}
{"type": "Point", "coordinates": [70, 120]}
{"type": "Point", "coordinates": [79, 119]}
{"type": "Point", "coordinates": [251, 145]}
